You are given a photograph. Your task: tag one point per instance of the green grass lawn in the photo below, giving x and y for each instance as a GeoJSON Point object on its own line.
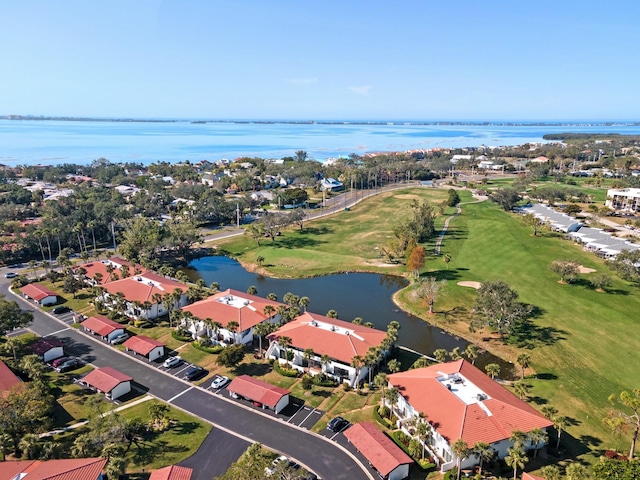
{"type": "Point", "coordinates": [582, 347]}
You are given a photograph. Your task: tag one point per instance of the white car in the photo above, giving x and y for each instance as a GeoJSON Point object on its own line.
{"type": "Point", "coordinates": [172, 362]}
{"type": "Point", "coordinates": [220, 381]}
{"type": "Point", "coordinates": [276, 465]}
{"type": "Point", "coordinates": [119, 339]}
{"type": "Point", "coordinates": [10, 275]}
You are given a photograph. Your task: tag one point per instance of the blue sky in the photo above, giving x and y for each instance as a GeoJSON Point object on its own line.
{"type": "Point", "coordinates": [317, 60]}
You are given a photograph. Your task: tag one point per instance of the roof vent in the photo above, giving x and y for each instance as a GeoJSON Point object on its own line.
{"type": "Point", "coordinates": [247, 302]}
{"type": "Point", "coordinates": [481, 397]}
{"type": "Point", "coordinates": [139, 279]}
{"type": "Point", "coordinates": [314, 323]}
{"type": "Point", "coordinates": [333, 328]}
{"type": "Point", "coordinates": [347, 332]}
{"type": "Point", "coordinates": [448, 386]}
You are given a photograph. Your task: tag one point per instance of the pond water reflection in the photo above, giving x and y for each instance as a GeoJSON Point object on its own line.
{"type": "Point", "coordinates": [365, 295]}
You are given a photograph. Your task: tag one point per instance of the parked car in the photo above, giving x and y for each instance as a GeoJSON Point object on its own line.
{"type": "Point", "coordinates": [337, 424]}
{"type": "Point", "coordinates": [219, 381]}
{"type": "Point", "coordinates": [59, 361]}
{"type": "Point", "coordinates": [70, 364]}
{"type": "Point", "coordinates": [60, 310]}
{"type": "Point", "coordinates": [172, 362]}
{"type": "Point", "coordinates": [10, 275]}
{"type": "Point", "coordinates": [277, 464]}
{"type": "Point", "coordinates": [193, 373]}
{"type": "Point", "coordinates": [119, 339]}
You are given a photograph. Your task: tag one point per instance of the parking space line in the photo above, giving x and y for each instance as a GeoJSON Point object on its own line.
{"type": "Point", "coordinates": [178, 395]}
{"type": "Point", "coordinates": [305, 418]}
{"type": "Point", "coordinates": [59, 331]}
{"type": "Point", "coordinates": [180, 371]}
{"type": "Point", "coordinates": [301, 408]}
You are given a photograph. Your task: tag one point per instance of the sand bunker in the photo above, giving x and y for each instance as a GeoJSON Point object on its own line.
{"type": "Point", "coordinates": [475, 285]}
{"type": "Point", "coordinates": [582, 269]}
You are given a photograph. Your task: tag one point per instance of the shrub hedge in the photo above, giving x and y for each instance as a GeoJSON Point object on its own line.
{"type": "Point", "coordinates": [215, 349]}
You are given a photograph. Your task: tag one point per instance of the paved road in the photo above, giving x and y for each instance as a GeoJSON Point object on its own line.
{"type": "Point", "coordinates": [313, 451]}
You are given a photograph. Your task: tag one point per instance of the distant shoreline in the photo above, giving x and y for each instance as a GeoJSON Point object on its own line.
{"type": "Point", "coordinates": [321, 122]}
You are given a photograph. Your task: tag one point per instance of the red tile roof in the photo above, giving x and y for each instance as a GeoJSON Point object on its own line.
{"type": "Point", "coordinates": [172, 472]}
{"type": "Point", "coordinates": [142, 344]}
{"type": "Point", "coordinates": [530, 476]}
{"type": "Point", "coordinates": [490, 420]}
{"type": "Point", "coordinates": [142, 288]}
{"type": "Point", "coordinates": [37, 292]}
{"type": "Point", "coordinates": [215, 308]}
{"type": "Point", "coordinates": [101, 267]}
{"type": "Point", "coordinates": [257, 390]}
{"type": "Point", "coordinates": [101, 325]}
{"type": "Point", "coordinates": [8, 379]}
{"type": "Point", "coordinates": [67, 469]}
{"type": "Point", "coordinates": [43, 345]}
{"type": "Point", "coordinates": [379, 449]}
{"type": "Point", "coordinates": [345, 341]}
{"type": "Point", "coordinates": [105, 379]}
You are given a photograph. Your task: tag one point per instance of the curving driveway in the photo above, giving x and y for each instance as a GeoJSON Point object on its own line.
{"type": "Point", "coordinates": [325, 457]}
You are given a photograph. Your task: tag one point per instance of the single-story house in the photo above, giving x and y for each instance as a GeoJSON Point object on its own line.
{"type": "Point", "coordinates": [228, 306]}
{"type": "Point", "coordinates": [331, 185]}
{"type": "Point", "coordinates": [39, 294]}
{"type": "Point", "coordinates": [254, 390]}
{"type": "Point", "coordinates": [109, 381]}
{"type": "Point", "coordinates": [339, 340]}
{"type": "Point", "coordinates": [68, 468]}
{"type": "Point", "coordinates": [461, 402]}
{"type": "Point", "coordinates": [104, 327]}
{"type": "Point", "coordinates": [8, 380]}
{"type": "Point", "coordinates": [382, 453]}
{"type": "Point", "coordinates": [148, 347]}
{"type": "Point", "coordinates": [172, 472]}
{"type": "Point", "coordinates": [47, 348]}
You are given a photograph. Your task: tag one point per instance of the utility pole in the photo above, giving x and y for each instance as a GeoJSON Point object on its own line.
{"type": "Point", "coordinates": [237, 214]}
{"type": "Point", "coordinates": [113, 234]}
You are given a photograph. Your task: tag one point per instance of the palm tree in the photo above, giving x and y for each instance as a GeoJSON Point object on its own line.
{"type": "Point", "coordinates": [549, 412]}
{"type": "Point", "coordinates": [303, 302]}
{"type": "Point", "coordinates": [560, 423]}
{"type": "Point", "coordinates": [6, 441]}
{"type": "Point", "coordinates": [332, 314]}
{"type": "Point", "coordinates": [550, 472]}
{"type": "Point", "coordinates": [115, 468]}
{"type": "Point", "coordinates": [268, 311]}
{"type": "Point", "coordinates": [261, 329]}
{"type": "Point", "coordinates": [521, 389]}
{"type": "Point", "coordinates": [357, 362]}
{"type": "Point", "coordinates": [381, 380]}
{"type": "Point", "coordinates": [33, 265]}
{"type": "Point", "coordinates": [440, 355]}
{"type": "Point", "coordinates": [493, 370]}
{"type": "Point", "coordinates": [391, 397]}
{"type": "Point", "coordinates": [446, 258]}
{"type": "Point", "coordinates": [461, 450]}
{"type": "Point", "coordinates": [232, 328]}
{"type": "Point", "coordinates": [325, 361]}
{"type": "Point", "coordinates": [252, 290]}
{"type": "Point", "coordinates": [214, 287]}
{"type": "Point", "coordinates": [216, 327]}
{"type": "Point", "coordinates": [168, 305]}
{"type": "Point", "coordinates": [423, 430]}
{"type": "Point", "coordinates": [538, 436]}
{"type": "Point", "coordinates": [371, 359]}
{"type": "Point", "coordinates": [518, 437]}
{"type": "Point", "coordinates": [12, 345]}
{"type": "Point", "coordinates": [285, 342]}
{"type": "Point", "coordinates": [273, 297]}
{"type": "Point", "coordinates": [308, 355]}
{"type": "Point", "coordinates": [455, 354]}
{"type": "Point", "coordinates": [516, 458]}
{"type": "Point", "coordinates": [523, 360]}
{"type": "Point", "coordinates": [357, 321]}
{"type": "Point", "coordinates": [472, 352]}
{"type": "Point", "coordinates": [32, 366]}
{"type": "Point", "coordinates": [394, 365]}
{"type": "Point", "coordinates": [81, 446]}
{"type": "Point", "coordinates": [484, 452]}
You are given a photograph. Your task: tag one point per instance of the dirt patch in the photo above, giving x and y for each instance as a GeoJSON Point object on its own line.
{"type": "Point", "coordinates": [582, 269]}
{"type": "Point", "coordinates": [407, 196]}
{"type": "Point", "coordinates": [475, 285]}
{"type": "Point", "coordinates": [381, 264]}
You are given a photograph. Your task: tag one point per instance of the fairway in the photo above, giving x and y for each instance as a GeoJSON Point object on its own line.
{"type": "Point", "coordinates": [583, 345]}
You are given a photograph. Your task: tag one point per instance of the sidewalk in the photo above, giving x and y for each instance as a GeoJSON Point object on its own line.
{"type": "Point", "coordinates": [82, 424]}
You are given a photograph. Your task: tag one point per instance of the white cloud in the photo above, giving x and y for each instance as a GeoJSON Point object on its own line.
{"type": "Point", "coordinates": [362, 90]}
{"type": "Point", "coordinates": [301, 81]}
